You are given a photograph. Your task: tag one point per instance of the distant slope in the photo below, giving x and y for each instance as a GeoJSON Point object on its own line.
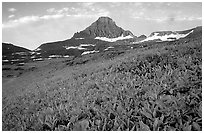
{"type": "Point", "coordinates": [8, 48]}
{"type": "Point", "coordinates": [171, 35]}
{"type": "Point", "coordinates": [197, 33]}
{"type": "Point", "coordinates": [14, 54]}
{"type": "Point", "coordinates": [97, 37]}
{"type": "Point", "coordinates": [101, 36]}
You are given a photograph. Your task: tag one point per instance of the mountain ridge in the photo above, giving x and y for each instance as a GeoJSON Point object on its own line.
{"type": "Point", "coordinates": [102, 35]}
{"type": "Point", "coordinates": [103, 27]}
{"type": "Point", "coordinates": [10, 48]}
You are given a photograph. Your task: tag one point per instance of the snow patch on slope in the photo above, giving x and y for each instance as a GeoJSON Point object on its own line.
{"type": "Point", "coordinates": [38, 59]}
{"type": "Point", "coordinates": [15, 60]}
{"type": "Point", "coordinates": [114, 39]}
{"type": "Point", "coordinates": [166, 37]}
{"type": "Point", "coordinates": [32, 57]}
{"type": "Point", "coordinates": [86, 45]}
{"type": "Point", "coordinates": [78, 38]}
{"type": "Point", "coordinates": [75, 47]}
{"type": "Point", "coordinates": [108, 48]}
{"type": "Point", "coordinates": [55, 56]}
{"type": "Point", "coordinates": [19, 53]}
{"type": "Point", "coordinates": [38, 49]}
{"type": "Point", "coordinates": [32, 53]}
{"type": "Point", "coordinates": [66, 56]}
{"type": "Point", "coordinates": [89, 52]}
{"type": "Point", "coordinates": [80, 47]}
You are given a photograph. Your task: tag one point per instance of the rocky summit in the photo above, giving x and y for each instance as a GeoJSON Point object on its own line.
{"type": "Point", "coordinates": [103, 27]}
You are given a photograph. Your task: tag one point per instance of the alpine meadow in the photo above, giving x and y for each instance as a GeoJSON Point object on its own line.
{"type": "Point", "coordinates": [103, 78]}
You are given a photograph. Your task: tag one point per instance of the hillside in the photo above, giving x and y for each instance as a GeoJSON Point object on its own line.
{"type": "Point", "coordinates": [10, 48]}
{"type": "Point", "coordinates": [95, 38]}
{"type": "Point", "coordinates": [140, 86]}
{"type": "Point", "coordinates": [14, 54]}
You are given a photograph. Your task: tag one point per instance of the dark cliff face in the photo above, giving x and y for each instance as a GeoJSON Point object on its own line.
{"type": "Point", "coordinates": [103, 27]}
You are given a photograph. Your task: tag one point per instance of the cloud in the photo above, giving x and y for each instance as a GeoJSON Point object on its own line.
{"type": "Point", "coordinates": [12, 9]}
{"type": "Point", "coordinates": [60, 11]}
{"type": "Point", "coordinates": [51, 10]}
{"type": "Point", "coordinates": [150, 19]}
{"type": "Point", "coordinates": [28, 19]}
{"type": "Point", "coordinates": [11, 16]}
{"type": "Point", "coordinates": [56, 16]}
{"type": "Point", "coordinates": [85, 9]}
{"type": "Point", "coordinates": [159, 20]}
{"type": "Point", "coordinates": [189, 18]}
{"type": "Point", "coordinates": [65, 9]}
{"type": "Point", "coordinates": [169, 18]}
{"type": "Point", "coordinates": [91, 9]}
{"type": "Point", "coordinates": [86, 4]}
{"type": "Point", "coordinates": [137, 4]}
{"type": "Point", "coordinates": [165, 12]}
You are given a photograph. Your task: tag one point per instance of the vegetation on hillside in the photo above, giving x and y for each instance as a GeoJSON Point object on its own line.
{"type": "Point", "coordinates": [159, 89]}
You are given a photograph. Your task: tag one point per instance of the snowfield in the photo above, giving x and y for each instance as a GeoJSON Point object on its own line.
{"type": "Point", "coordinates": [32, 57]}
{"type": "Point", "coordinates": [66, 56]}
{"type": "Point", "coordinates": [75, 47]}
{"type": "Point", "coordinates": [78, 38]}
{"type": "Point", "coordinates": [55, 56]}
{"type": "Point", "coordinates": [108, 48]}
{"type": "Point", "coordinates": [32, 53]}
{"type": "Point", "coordinates": [38, 49]}
{"type": "Point", "coordinates": [38, 59]}
{"type": "Point", "coordinates": [122, 37]}
{"type": "Point", "coordinates": [166, 37]}
{"type": "Point", "coordinates": [19, 53]}
{"type": "Point", "coordinates": [86, 45]}
{"type": "Point", "coordinates": [89, 52]}
{"type": "Point", "coordinates": [15, 60]}
{"type": "Point", "coordinates": [80, 47]}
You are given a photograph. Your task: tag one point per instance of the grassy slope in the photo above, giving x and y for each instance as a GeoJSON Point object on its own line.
{"type": "Point", "coordinates": [157, 88]}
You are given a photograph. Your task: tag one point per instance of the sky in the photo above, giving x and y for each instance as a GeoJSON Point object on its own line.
{"type": "Point", "coordinates": [29, 24]}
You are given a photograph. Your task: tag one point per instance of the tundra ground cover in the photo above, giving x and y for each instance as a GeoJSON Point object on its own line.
{"type": "Point", "coordinates": [159, 89]}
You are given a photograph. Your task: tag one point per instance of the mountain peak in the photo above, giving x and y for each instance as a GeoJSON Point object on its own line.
{"type": "Point", "coordinates": [105, 20]}
{"type": "Point", "coordinates": [103, 27]}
